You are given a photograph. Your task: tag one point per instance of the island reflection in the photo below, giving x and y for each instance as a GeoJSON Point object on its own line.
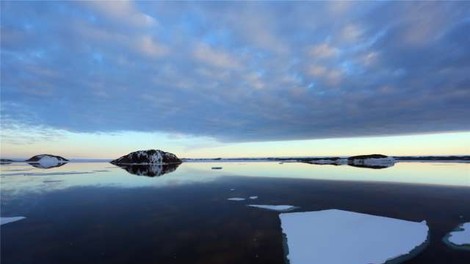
{"type": "Point", "coordinates": [149, 170]}
{"type": "Point", "coordinates": [46, 166]}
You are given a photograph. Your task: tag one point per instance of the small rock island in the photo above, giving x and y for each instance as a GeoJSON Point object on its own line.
{"type": "Point", "coordinates": [151, 156]}
{"type": "Point", "coordinates": [151, 163]}
{"type": "Point", "coordinates": [46, 161]}
{"type": "Point", "coordinates": [374, 161]}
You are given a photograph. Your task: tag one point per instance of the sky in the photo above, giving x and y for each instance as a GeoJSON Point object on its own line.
{"type": "Point", "coordinates": [99, 79]}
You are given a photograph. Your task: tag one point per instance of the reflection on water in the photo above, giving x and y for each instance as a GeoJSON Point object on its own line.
{"type": "Point", "coordinates": [47, 165]}
{"type": "Point", "coordinates": [370, 166]}
{"type": "Point", "coordinates": [106, 215]}
{"type": "Point", "coordinates": [18, 178]}
{"type": "Point", "coordinates": [150, 170]}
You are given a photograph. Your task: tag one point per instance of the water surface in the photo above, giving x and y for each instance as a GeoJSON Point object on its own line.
{"type": "Point", "coordinates": [100, 213]}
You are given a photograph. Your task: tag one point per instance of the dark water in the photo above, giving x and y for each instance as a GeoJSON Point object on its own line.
{"type": "Point", "coordinates": [97, 213]}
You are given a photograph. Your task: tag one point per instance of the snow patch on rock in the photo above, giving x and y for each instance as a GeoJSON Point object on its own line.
{"type": "Point", "coordinates": [49, 161]}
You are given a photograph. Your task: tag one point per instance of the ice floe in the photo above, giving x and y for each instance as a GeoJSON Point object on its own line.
{"type": "Point", "coordinates": [6, 220]}
{"type": "Point", "coordinates": [460, 237]}
{"type": "Point", "coordinates": [236, 199]}
{"type": "Point", "coordinates": [279, 208]}
{"type": "Point", "coordinates": [336, 236]}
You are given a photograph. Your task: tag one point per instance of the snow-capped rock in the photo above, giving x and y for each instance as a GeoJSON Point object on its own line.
{"type": "Point", "coordinates": [376, 161]}
{"type": "Point", "coordinates": [152, 156]}
{"type": "Point", "coordinates": [47, 161]}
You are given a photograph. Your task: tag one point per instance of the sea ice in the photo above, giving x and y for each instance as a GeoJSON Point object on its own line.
{"type": "Point", "coordinates": [6, 220]}
{"type": "Point", "coordinates": [236, 199]}
{"type": "Point", "coordinates": [460, 237]}
{"type": "Point", "coordinates": [279, 208]}
{"type": "Point", "coordinates": [336, 236]}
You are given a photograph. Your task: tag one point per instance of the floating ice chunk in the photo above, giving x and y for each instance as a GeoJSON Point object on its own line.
{"type": "Point", "coordinates": [279, 208]}
{"type": "Point", "coordinates": [236, 199]}
{"type": "Point", "coordinates": [253, 197]}
{"type": "Point", "coordinates": [336, 236]}
{"type": "Point", "coordinates": [460, 237]}
{"type": "Point", "coordinates": [6, 220]}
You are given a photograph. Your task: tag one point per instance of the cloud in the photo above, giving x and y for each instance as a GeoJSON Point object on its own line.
{"type": "Point", "coordinates": [236, 72]}
{"type": "Point", "coordinates": [323, 51]}
{"type": "Point", "coordinates": [216, 58]}
{"type": "Point", "coordinates": [121, 11]}
{"type": "Point", "coordinates": [149, 47]}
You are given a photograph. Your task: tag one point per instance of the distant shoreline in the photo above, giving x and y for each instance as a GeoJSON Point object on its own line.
{"type": "Point", "coordinates": [441, 159]}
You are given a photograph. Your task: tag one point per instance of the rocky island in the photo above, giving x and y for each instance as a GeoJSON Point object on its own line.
{"type": "Point", "coordinates": [6, 161]}
{"type": "Point", "coordinates": [374, 161]}
{"type": "Point", "coordinates": [153, 162]}
{"type": "Point", "coordinates": [46, 161]}
{"type": "Point", "coordinates": [152, 156]}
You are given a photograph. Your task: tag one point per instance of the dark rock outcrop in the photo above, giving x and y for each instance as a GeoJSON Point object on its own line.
{"type": "Point", "coordinates": [152, 156]}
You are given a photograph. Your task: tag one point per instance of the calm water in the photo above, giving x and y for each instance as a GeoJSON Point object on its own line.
{"type": "Point", "coordinates": [99, 213]}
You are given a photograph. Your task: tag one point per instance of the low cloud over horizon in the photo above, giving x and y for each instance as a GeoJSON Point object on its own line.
{"type": "Point", "coordinates": [237, 72]}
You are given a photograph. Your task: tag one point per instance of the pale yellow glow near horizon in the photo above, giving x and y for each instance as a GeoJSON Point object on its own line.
{"type": "Point", "coordinates": [109, 146]}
